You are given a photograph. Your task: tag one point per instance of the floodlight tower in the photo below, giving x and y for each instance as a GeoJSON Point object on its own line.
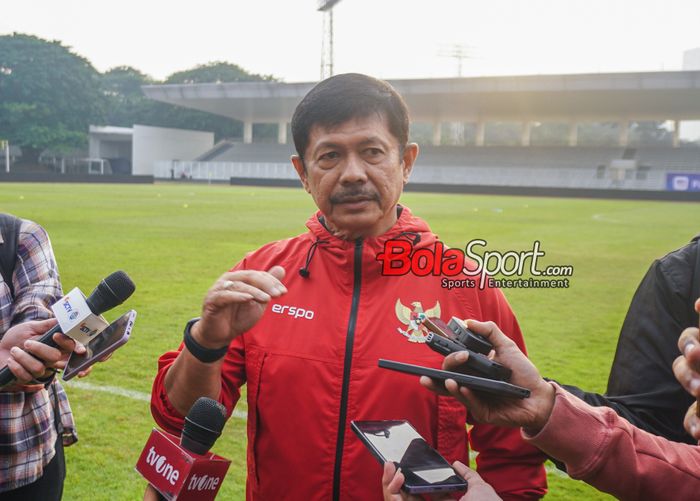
{"type": "Point", "coordinates": [326, 7]}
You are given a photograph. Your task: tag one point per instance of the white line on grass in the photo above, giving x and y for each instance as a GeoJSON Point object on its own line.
{"type": "Point", "coordinates": [132, 394]}
{"type": "Point", "coordinates": [605, 219]}
{"type": "Point", "coordinates": [145, 397]}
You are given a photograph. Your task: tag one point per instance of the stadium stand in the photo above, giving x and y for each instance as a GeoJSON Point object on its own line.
{"type": "Point", "coordinates": [253, 152]}
{"type": "Point", "coordinates": [217, 151]}
{"type": "Point", "coordinates": [515, 156]}
{"type": "Point", "coordinates": [685, 158]}
{"type": "Point", "coordinates": [582, 167]}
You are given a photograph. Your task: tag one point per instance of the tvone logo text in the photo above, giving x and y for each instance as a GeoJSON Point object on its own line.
{"type": "Point", "coordinates": [161, 466]}
{"type": "Point", "coordinates": [203, 483]}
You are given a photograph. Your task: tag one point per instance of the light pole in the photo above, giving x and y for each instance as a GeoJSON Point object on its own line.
{"type": "Point", "coordinates": [326, 7]}
{"type": "Point", "coordinates": [6, 146]}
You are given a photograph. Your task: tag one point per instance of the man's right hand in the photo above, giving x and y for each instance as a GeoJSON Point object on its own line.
{"type": "Point", "coordinates": [530, 413]}
{"type": "Point", "coordinates": [235, 303]}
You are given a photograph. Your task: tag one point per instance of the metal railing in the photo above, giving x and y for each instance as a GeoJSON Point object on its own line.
{"type": "Point", "coordinates": [221, 171]}
{"type": "Point", "coordinates": [73, 165]}
{"type": "Point", "coordinates": [553, 177]}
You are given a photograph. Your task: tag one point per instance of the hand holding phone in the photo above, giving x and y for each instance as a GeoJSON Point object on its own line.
{"type": "Point", "coordinates": [479, 384]}
{"type": "Point", "coordinates": [457, 331]}
{"type": "Point", "coordinates": [476, 365]}
{"type": "Point", "coordinates": [424, 469]}
{"type": "Point", "coordinates": [531, 413]}
{"type": "Point", "coordinates": [393, 480]}
{"type": "Point", "coordinates": [445, 339]}
{"type": "Point", "coordinates": [468, 338]}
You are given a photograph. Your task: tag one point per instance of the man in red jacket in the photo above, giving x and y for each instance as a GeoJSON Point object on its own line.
{"type": "Point", "coordinates": [303, 321]}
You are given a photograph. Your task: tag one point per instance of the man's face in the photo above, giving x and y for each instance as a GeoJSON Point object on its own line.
{"type": "Point", "coordinates": [355, 173]}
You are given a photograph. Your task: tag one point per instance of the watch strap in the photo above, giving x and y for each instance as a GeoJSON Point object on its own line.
{"type": "Point", "coordinates": [205, 355]}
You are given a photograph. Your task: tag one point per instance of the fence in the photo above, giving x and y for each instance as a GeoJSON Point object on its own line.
{"type": "Point", "coordinates": [221, 171]}
{"type": "Point", "coordinates": [548, 177]}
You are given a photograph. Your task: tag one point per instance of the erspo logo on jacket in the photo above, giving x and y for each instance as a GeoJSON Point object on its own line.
{"type": "Point", "coordinates": [293, 311]}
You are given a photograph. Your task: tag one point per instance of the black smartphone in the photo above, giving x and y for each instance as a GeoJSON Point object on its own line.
{"type": "Point", "coordinates": [104, 343]}
{"type": "Point", "coordinates": [473, 341]}
{"type": "Point", "coordinates": [476, 365]}
{"type": "Point", "coordinates": [424, 469]}
{"type": "Point", "coordinates": [457, 331]}
{"type": "Point", "coordinates": [490, 386]}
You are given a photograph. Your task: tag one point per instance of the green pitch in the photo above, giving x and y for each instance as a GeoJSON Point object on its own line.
{"type": "Point", "coordinates": [175, 240]}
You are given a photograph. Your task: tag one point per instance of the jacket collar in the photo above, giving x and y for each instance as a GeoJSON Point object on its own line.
{"type": "Point", "coordinates": [407, 226]}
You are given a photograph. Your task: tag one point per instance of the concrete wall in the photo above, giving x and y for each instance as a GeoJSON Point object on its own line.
{"type": "Point", "coordinates": [691, 59]}
{"type": "Point", "coordinates": [152, 144]}
{"type": "Point", "coordinates": [93, 146]}
{"type": "Point", "coordinates": [52, 177]}
{"type": "Point", "coordinates": [102, 148]}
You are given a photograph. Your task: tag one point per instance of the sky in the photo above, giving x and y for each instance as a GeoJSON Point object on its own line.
{"type": "Point", "coordinates": [383, 38]}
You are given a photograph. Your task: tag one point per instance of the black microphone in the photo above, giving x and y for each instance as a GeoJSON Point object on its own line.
{"type": "Point", "coordinates": [203, 425]}
{"type": "Point", "coordinates": [110, 292]}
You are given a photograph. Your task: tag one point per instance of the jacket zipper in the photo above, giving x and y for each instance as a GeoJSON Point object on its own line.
{"type": "Point", "coordinates": [349, 340]}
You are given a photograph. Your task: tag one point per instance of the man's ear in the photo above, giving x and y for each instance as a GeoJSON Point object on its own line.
{"type": "Point", "coordinates": [298, 164]}
{"type": "Point", "coordinates": [410, 153]}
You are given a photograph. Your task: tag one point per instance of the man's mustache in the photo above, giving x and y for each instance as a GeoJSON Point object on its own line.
{"type": "Point", "coordinates": [354, 195]}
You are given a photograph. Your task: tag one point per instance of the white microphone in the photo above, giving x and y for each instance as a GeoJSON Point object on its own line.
{"type": "Point", "coordinates": [76, 319]}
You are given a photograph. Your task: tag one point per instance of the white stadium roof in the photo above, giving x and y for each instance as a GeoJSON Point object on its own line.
{"type": "Point", "coordinates": [665, 95]}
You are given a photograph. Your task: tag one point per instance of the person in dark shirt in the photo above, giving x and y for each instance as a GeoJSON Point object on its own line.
{"type": "Point", "coordinates": [641, 385]}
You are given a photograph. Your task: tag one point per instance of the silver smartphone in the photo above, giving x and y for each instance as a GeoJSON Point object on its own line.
{"type": "Point", "coordinates": [424, 469]}
{"type": "Point", "coordinates": [114, 336]}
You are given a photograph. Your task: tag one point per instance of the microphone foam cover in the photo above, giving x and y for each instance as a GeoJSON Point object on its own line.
{"type": "Point", "coordinates": [203, 425]}
{"type": "Point", "coordinates": [110, 292]}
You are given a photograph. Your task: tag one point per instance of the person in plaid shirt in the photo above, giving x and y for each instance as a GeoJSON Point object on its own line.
{"type": "Point", "coordinates": [32, 435]}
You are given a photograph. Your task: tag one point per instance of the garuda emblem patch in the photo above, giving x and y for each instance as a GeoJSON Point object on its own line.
{"type": "Point", "coordinates": [414, 331]}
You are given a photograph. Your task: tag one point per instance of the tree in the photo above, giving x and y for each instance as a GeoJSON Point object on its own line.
{"type": "Point", "coordinates": [125, 104]}
{"type": "Point", "coordinates": [48, 95]}
{"type": "Point", "coordinates": [215, 72]}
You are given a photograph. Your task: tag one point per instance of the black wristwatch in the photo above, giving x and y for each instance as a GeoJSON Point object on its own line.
{"type": "Point", "coordinates": [206, 355]}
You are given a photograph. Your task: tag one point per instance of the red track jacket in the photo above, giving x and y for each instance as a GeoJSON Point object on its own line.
{"type": "Point", "coordinates": [311, 367]}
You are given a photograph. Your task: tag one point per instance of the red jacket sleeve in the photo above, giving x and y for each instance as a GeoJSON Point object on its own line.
{"type": "Point", "coordinates": [513, 467]}
{"type": "Point", "coordinates": [606, 451]}
{"type": "Point", "coordinates": [233, 376]}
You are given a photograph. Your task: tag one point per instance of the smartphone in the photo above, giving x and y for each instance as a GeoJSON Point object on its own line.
{"type": "Point", "coordinates": [476, 365]}
{"type": "Point", "coordinates": [490, 386]}
{"type": "Point", "coordinates": [437, 326]}
{"type": "Point", "coordinates": [473, 341]}
{"type": "Point", "coordinates": [104, 343]}
{"type": "Point", "coordinates": [424, 469]}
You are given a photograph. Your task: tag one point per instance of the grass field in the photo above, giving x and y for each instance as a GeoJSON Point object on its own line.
{"type": "Point", "coordinates": [174, 240]}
